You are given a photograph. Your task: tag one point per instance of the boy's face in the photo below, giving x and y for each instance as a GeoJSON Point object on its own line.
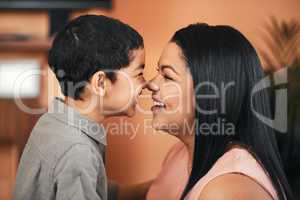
{"type": "Point", "coordinates": [122, 94]}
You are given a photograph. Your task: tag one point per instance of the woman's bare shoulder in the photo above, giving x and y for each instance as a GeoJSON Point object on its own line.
{"type": "Point", "coordinates": [234, 186]}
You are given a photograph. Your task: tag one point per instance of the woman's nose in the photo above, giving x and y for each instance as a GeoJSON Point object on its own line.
{"type": "Point", "coordinates": [152, 85]}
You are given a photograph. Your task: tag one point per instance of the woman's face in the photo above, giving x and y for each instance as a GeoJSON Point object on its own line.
{"type": "Point", "coordinates": [173, 93]}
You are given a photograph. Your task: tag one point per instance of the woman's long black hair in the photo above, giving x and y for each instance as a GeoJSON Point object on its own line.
{"type": "Point", "coordinates": [222, 56]}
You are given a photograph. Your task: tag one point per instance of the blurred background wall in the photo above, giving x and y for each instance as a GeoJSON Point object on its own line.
{"type": "Point", "coordinates": [156, 20]}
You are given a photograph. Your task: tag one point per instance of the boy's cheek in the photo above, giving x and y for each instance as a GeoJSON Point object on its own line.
{"type": "Point", "coordinates": [124, 99]}
{"type": "Point", "coordinates": [123, 95]}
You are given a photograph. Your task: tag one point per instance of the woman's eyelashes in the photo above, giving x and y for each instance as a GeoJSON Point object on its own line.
{"type": "Point", "coordinates": [169, 78]}
{"type": "Point", "coordinates": [164, 74]}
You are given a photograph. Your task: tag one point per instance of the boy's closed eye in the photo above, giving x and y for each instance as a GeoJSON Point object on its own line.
{"type": "Point", "coordinates": [139, 71]}
{"type": "Point", "coordinates": [140, 74]}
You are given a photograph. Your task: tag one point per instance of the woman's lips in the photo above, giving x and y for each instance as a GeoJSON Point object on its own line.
{"type": "Point", "coordinates": [157, 106]}
{"type": "Point", "coordinates": [156, 109]}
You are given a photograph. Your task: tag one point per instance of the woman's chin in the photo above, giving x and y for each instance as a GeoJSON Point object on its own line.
{"type": "Point", "coordinates": [157, 124]}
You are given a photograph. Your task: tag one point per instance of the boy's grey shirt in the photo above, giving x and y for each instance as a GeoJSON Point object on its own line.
{"type": "Point", "coordinates": [63, 158]}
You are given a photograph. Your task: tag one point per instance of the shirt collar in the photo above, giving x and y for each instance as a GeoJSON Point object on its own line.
{"type": "Point", "coordinates": [72, 117]}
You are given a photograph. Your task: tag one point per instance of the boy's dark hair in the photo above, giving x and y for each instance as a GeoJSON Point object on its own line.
{"type": "Point", "coordinates": [88, 44]}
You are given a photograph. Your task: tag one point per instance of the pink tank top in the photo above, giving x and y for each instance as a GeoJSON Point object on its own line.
{"type": "Point", "coordinates": [173, 177]}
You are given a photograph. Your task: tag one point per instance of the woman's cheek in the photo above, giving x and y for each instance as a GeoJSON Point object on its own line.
{"type": "Point", "coordinates": [173, 100]}
{"type": "Point", "coordinates": [173, 104]}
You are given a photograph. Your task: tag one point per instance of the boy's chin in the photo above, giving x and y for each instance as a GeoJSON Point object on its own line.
{"type": "Point", "coordinates": [131, 112]}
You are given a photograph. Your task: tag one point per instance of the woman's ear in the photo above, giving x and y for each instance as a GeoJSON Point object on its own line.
{"type": "Point", "coordinates": [98, 83]}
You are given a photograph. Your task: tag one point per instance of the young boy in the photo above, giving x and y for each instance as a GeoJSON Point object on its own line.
{"type": "Point", "coordinates": [99, 63]}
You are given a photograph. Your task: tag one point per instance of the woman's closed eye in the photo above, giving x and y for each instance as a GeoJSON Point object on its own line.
{"type": "Point", "coordinates": [167, 77]}
{"type": "Point", "coordinates": [166, 73]}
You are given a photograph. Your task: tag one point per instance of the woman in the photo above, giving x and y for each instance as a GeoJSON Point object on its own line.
{"type": "Point", "coordinates": [203, 96]}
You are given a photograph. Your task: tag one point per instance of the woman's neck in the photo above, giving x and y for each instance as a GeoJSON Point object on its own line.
{"type": "Point", "coordinates": [189, 142]}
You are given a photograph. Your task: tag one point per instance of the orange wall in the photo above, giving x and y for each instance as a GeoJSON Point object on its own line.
{"type": "Point", "coordinates": [138, 159]}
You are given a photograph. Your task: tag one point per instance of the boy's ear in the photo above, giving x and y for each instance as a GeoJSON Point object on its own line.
{"type": "Point", "coordinates": [98, 82]}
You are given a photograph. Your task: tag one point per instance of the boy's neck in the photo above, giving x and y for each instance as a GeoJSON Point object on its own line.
{"type": "Point", "coordinates": [86, 109]}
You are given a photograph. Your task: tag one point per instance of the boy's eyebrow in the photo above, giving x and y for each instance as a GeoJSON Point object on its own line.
{"type": "Point", "coordinates": [140, 67]}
